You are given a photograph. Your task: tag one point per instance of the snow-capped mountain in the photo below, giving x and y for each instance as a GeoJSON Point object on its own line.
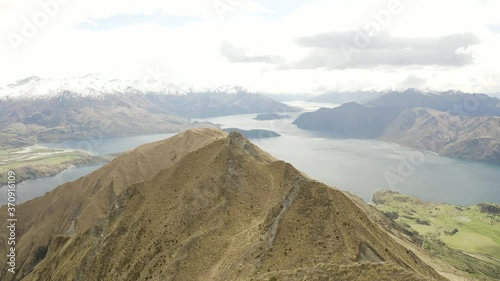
{"type": "Point", "coordinates": [96, 86]}
{"type": "Point", "coordinates": [35, 109]}
{"type": "Point", "coordinates": [430, 92]}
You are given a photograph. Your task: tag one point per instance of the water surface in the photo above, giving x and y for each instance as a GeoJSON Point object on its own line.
{"type": "Point", "coordinates": [30, 189]}
{"type": "Point", "coordinates": [358, 166]}
{"type": "Point", "coordinates": [365, 166]}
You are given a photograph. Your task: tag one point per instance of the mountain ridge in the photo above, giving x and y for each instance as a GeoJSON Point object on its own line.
{"type": "Point", "coordinates": [452, 101]}
{"type": "Point", "coordinates": [89, 197]}
{"type": "Point", "coordinates": [472, 138]}
{"type": "Point", "coordinates": [226, 211]}
{"type": "Point", "coordinates": [96, 86]}
{"type": "Point", "coordinates": [88, 111]}
{"type": "Point", "coordinates": [467, 137]}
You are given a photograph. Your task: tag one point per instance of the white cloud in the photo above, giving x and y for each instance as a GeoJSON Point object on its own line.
{"type": "Point", "coordinates": [190, 52]}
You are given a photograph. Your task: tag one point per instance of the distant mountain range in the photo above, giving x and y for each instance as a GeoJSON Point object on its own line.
{"type": "Point", "coordinates": [472, 138]}
{"type": "Point", "coordinates": [94, 86]}
{"type": "Point", "coordinates": [205, 205]}
{"type": "Point", "coordinates": [34, 109]}
{"type": "Point", "coordinates": [346, 97]}
{"type": "Point", "coordinates": [472, 134]}
{"type": "Point", "coordinates": [453, 102]}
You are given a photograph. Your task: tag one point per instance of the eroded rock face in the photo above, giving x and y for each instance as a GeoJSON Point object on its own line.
{"type": "Point", "coordinates": [490, 208]}
{"type": "Point", "coordinates": [367, 254]}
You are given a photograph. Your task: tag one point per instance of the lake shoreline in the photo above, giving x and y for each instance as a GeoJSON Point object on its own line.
{"type": "Point", "coordinates": [358, 166]}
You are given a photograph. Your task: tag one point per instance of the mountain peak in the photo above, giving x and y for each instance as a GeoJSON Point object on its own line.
{"type": "Point", "coordinates": [237, 137]}
{"type": "Point", "coordinates": [352, 105]}
{"type": "Point", "coordinates": [413, 91]}
{"type": "Point", "coordinates": [96, 85]}
{"type": "Point", "coordinates": [217, 208]}
{"type": "Point", "coordinates": [237, 140]}
{"type": "Point", "coordinates": [229, 89]}
{"type": "Point", "coordinates": [452, 92]}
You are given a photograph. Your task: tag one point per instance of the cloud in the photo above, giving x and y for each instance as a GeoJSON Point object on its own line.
{"type": "Point", "coordinates": [269, 46]}
{"type": "Point", "coordinates": [413, 81]}
{"type": "Point", "coordinates": [235, 54]}
{"type": "Point", "coordinates": [340, 50]}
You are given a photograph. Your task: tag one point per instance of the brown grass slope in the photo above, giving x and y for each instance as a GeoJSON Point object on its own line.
{"type": "Point", "coordinates": [229, 211]}
{"type": "Point", "coordinates": [74, 207]}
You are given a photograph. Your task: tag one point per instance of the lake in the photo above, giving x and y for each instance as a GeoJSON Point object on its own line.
{"type": "Point", "coordinates": [30, 189]}
{"type": "Point", "coordinates": [358, 166]}
{"type": "Point", "coordinates": [101, 146]}
{"type": "Point", "coordinates": [364, 166]}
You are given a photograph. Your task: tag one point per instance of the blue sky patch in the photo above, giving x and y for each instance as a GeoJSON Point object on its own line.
{"type": "Point", "coordinates": [123, 20]}
{"type": "Point", "coordinates": [494, 27]}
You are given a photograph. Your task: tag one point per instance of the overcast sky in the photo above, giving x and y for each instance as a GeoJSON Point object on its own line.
{"type": "Point", "coordinates": [285, 46]}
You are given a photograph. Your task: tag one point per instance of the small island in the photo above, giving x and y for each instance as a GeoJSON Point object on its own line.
{"type": "Point", "coordinates": [254, 134]}
{"type": "Point", "coordinates": [271, 116]}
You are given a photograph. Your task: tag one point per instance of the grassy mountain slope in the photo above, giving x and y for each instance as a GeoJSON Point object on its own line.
{"type": "Point", "coordinates": [467, 238]}
{"type": "Point", "coordinates": [224, 211]}
{"type": "Point", "coordinates": [73, 207]}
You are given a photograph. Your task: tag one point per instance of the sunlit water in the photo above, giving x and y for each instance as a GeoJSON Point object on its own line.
{"type": "Point", "coordinates": [358, 166]}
